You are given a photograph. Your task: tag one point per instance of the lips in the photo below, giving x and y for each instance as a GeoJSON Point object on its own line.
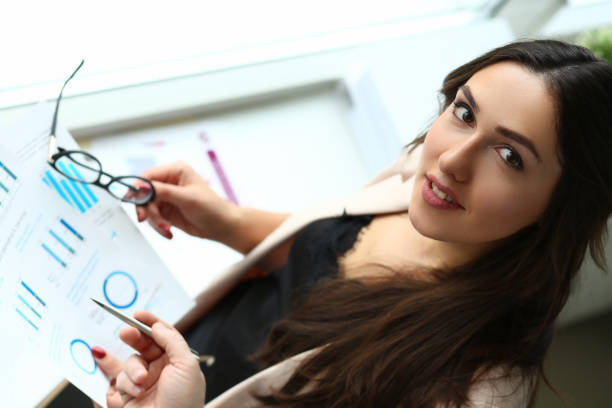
{"type": "Point", "coordinates": [438, 195]}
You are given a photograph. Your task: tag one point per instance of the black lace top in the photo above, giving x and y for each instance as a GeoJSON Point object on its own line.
{"type": "Point", "coordinates": [239, 324]}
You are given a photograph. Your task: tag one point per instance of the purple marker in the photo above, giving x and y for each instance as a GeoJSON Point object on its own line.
{"type": "Point", "coordinates": [214, 160]}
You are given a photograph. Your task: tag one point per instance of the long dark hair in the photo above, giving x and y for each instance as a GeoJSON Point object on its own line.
{"type": "Point", "coordinates": [404, 342]}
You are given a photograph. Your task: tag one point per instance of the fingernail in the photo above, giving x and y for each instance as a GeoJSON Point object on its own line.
{"type": "Point", "coordinates": [166, 229]}
{"type": "Point", "coordinates": [98, 352]}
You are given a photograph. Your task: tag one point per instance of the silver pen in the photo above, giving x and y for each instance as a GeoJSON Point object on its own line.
{"type": "Point", "coordinates": [146, 330]}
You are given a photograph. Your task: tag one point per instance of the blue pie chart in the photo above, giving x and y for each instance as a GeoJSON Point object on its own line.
{"type": "Point", "coordinates": [82, 357]}
{"type": "Point", "coordinates": [120, 289]}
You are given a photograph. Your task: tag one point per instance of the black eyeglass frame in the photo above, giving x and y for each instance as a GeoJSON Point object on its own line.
{"type": "Point", "coordinates": [112, 179]}
{"type": "Point", "coordinates": [52, 160]}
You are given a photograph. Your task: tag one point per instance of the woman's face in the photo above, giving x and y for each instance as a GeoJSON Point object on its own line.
{"type": "Point", "coordinates": [489, 162]}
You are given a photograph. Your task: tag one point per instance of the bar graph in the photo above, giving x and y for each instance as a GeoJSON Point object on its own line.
{"type": "Point", "coordinates": [29, 305]}
{"type": "Point", "coordinates": [61, 241]}
{"type": "Point", "coordinates": [78, 195]}
{"type": "Point", "coordinates": [8, 171]}
{"type": "Point", "coordinates": [8, 179]}
{"type": "Point", "coordinates": [71, 229]}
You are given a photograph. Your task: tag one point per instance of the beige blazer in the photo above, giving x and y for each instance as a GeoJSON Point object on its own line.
{"type": "Point", "coordinates": [388, 192]}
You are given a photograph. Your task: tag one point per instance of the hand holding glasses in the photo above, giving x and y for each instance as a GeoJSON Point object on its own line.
{"type": "Point", "coordinates": [83, 167]}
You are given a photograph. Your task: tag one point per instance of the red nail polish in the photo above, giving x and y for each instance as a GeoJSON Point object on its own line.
{"type": "Point", "coordinates": [98, 352]}
{"type": "Point", "coordinates": [166, 229]}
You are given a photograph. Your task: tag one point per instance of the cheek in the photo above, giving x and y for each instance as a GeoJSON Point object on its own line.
{"type": "Point", "coordinates": [440, 137]}
{"type": "Point", "coordinates": [509, 210]}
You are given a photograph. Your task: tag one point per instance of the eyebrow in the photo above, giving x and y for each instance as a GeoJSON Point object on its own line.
{"type": "Point", "coordinates": [511, 134]}
{"type": "Point", "coordinates": [468, 94]}
{"type": "Point", "coordinates": [517, 137]}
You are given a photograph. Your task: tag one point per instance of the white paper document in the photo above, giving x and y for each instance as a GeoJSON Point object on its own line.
{"type": "Point", "coordinates": [196, 144]}
{"type": "Point", "coordinates": [61, 243]}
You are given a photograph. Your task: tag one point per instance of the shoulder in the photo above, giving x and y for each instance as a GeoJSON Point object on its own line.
{"type": "Point", "coordinates": [274, 377]}
{"type": "Point", "coordinates": [406, 165]}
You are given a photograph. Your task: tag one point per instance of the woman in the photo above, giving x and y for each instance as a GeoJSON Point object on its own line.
{"type": "Point", "coordinates": [447, 304]}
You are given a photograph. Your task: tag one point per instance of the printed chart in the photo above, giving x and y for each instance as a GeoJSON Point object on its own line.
{"type": "Point", "coordinates": [201, 145]}
{"type": "Point", "coordinates": [7, 181]}
{"type": "Point", "coordinates": [120, 289]}
{"type": "Point", "coordinates": [76, 194]}
{"type": "Point", "coordinates": [9, 184]}
{"type": "Point", "coordinates": [56, 252]}
{"type": "Point", "coordinates": [61, 241]}
{"type": "Point", "coordinates": [80, 351]}
{"type": "Point", "coordinates": [29, 305]}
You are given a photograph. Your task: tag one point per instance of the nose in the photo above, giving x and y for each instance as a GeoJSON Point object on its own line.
{"type": "Point", "coordinates": [458, 160]}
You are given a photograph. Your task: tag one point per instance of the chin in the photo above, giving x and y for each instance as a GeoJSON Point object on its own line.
{"type": "Point", "coordinates": [434, 229]}
{"type": "Point", "coordinates": [428, 229]}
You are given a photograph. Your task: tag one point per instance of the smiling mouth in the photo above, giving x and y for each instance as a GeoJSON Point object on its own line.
{"type": "Point", "coordinates": [441, 194]}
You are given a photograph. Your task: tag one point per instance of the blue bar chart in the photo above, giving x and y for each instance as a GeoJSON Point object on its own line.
{"type": "Point", "coordinates": [78, 195]}
{"type": "Point", "coordinates": [29, 305]}
{"type": "Point", "coordinates": [60, 242]}
{"type": "Point", "coordinates": [8, 179]}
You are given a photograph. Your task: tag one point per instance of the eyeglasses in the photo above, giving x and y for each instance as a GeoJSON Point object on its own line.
{"type": "Point", "coordinates": [84, 167]}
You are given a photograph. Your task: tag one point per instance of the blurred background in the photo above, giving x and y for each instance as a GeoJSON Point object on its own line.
{"type": "Point", "coordinates": [336, 85]}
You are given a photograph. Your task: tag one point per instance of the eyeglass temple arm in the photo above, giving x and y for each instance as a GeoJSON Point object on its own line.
{"type": "Point", "coordinates": [54, 123]}
{"type": "Point", "coordinates": [51, 148]}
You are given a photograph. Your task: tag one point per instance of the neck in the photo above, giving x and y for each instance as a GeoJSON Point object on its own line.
{"type": "Point", "coordinates": [432, 253]}
{"type": "Point", "coordinates": [395, 234]}
{"type": "Point", "coordinates": [392, 241]}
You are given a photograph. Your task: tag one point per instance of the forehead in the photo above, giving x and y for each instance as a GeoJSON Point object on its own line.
{"type": "Point", "coordinates": [511, 96]}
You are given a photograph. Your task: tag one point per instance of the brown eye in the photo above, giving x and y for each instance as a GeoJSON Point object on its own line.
{"type": "Point", "coordinates": [511, 157]}
{"type": "Point", "coordinates": [463, 112]}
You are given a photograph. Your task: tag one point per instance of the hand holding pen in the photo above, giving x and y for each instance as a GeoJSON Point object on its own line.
{"type": "Point", "coordinates": [163, 374]}
{"type": "Point", "coordinates": [146, 330]}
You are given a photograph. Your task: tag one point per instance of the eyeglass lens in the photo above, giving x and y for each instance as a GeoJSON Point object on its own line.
{"type": "Point", "coordinates": [85, 168]}
{"type": "Point", "coordinates": [131, 189]}
{"type": "Point", "coordinates": [79, 166]}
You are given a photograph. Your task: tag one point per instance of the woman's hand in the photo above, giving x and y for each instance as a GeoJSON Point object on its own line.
{"type": "Point", "coordinates": [183, 199]}
{"type": "Point", "coordinates": [163, 374]}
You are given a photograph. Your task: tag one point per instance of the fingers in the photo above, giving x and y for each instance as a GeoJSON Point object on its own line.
{"type": "Point", "coordinates": [157, 222]}
{"type": "Point", "coordinates": [141, 213]}
{"type": "Point", "coordinates": [141, 343]}
{"type": "Point", "coordinates": [177, 173]}
{"type": "Point", "coordinates": [130, 381]}
{"type": "Point", "coordinates": [107, 363]}
{"type": "Point", "coordinates": [113, 398]}
{"type": "Point", "coordinates": [167, 196]}
{"type": "Point", "coordinates": [170, 340]}
{"type": "Point", "coordinates": [136, 369]}
{"type": "Point", "coordinates": [147, 317]}
{"type": "Point", "coordinates": [112, 367]}
{"type": "Point", "coordinates": [167, 181]}
{"type": "Point", "coordinates": [167, 173]}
